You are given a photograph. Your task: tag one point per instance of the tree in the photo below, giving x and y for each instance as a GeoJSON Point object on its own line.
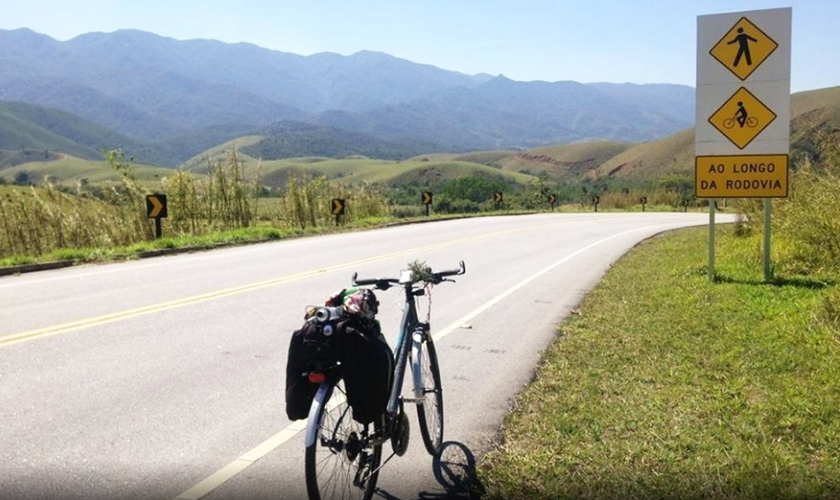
{"type": "Point", "coordinates": [23, 178]}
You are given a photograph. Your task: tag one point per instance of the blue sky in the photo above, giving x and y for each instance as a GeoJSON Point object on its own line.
{"type": "Point", "coordinates": [584, 40]}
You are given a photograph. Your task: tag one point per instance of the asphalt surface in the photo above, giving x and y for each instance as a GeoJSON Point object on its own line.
{"type": "Point", "coordinates": [161, 378]}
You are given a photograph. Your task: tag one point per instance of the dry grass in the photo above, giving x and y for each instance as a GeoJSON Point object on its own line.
{"type": "Point", "coordinates": [40, 220]}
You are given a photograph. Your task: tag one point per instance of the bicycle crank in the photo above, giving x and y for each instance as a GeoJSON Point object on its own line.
{"type": "Point", "coordinates": [400, 434]}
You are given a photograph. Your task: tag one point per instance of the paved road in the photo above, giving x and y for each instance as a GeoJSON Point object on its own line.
{"type": "Point", "coordinates": [164, 377]}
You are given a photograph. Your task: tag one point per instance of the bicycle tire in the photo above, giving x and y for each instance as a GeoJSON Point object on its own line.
{"type": "Point", "coordinates": [331, 465]}
{"type": "Point", "coordinates": [430, 411]}
{"type": "Point", "coordinates": [728, 123]}
{"type": "Point", "coordinates": [752, 122]}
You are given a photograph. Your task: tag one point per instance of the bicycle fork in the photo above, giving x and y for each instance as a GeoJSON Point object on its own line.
{"type": "Point", "coordinates": [420, 334]}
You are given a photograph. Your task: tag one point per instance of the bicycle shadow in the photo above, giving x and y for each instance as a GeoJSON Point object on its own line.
{"type": "Point", "coordinates": [454, 468]}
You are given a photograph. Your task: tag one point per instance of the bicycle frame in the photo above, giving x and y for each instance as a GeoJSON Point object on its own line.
{"type": "Point", "coordinates": [408, 333]}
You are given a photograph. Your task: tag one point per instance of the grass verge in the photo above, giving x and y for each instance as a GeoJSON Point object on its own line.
{"type": "Point", "coordinates": [256, 234]}
{"type": "Point", "coordinates": [664, 386]}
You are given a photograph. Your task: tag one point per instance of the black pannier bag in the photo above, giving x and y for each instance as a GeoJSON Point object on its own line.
{"type": "Point", "coordinates": [367, 365]}
{"type": "Point", "coordinates": [313, 349]}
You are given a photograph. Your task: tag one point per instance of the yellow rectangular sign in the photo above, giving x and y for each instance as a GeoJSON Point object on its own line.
{"type": "Point", "coordinates": [741, 176]}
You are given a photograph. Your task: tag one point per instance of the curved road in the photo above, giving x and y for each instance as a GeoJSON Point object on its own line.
{"type": "Point", "coordinates": [163, 378]}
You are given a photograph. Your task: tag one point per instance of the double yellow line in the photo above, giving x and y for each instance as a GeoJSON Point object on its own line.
{"type": "Point", "coordinates": [28, 336]}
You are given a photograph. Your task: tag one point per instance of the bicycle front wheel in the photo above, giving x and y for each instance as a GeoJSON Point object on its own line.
{"type": "Point", "coordinates": [430, 411]}
{"type": "Point", "coordinates": [341, 463]}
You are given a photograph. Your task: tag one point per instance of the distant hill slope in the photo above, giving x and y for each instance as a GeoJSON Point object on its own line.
{"type": "Point", "coordinates": [813, 113]}
{"type": "Point", "coordinates": [673, 154]}
{"type": "Point", "coordinates": [566, 162]}
{"type": "Point", "coordinates": [69, 170]}
{"type": "Point", "coordinates": [154, 89]}
{"type": "Point", "coordinates": [293, 139]}
{"type": "Point", "coordinates": [27, 127]}
{"type": "Point", "coordinates": [502, 113]}
{"type": "Point", "coordinates": [178, 85]}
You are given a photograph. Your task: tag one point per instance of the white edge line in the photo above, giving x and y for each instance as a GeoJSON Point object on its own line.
{"type": "Point", "coordinates": [249, 458]}
{"type": "Point", "coordinates": [495, 300]}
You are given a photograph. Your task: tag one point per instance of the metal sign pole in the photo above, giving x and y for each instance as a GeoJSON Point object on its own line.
{"type": "Point", "coordinates": [768, 273]}
{"type": "Point", "coordinates": [712, 206]}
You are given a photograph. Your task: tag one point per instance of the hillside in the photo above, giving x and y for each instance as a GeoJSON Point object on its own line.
{"type": "Point", "coordinates": [69, 171]}
{"type": "Point", "coordinates": [28, 127]}
{"type": "Point", "coordinates": [154, 89]}
{"type": "Point", "coordinates": [567, 162]}
{"type": "Point", "coordinates": [502, 113]}
{"type": "Point", "coordinates": [293, 139]}
{"type": "Point", "coordinates": [815, 113]}
{"type": "Point", "coordinates": [421, 170]}
{"type": "Point", "coordinates": [647, 161]}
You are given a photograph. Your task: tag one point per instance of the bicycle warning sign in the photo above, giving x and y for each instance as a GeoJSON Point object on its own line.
{"type": "Point", "coordinates": [743, 48]}
{"type": "Point", "coordinates": [742, 117]}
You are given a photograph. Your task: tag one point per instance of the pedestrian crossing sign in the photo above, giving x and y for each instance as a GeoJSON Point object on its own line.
{"type": "Point", "coordinates": [742, 117]}
{"type": "Point", "coordinates": [743, 48]}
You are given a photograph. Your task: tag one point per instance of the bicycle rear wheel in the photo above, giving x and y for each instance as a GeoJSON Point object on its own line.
{"type": "Point", "coordinates": [342, 464]}
{"type": "Point", "coordinates": [430, 411]}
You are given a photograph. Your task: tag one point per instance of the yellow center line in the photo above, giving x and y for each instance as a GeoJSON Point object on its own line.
{"type": "Point", "coordinates": [27, 336]}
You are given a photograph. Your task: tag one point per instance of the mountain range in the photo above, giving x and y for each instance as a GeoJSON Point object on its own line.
{"type": "Point", "coordinates": [165, 100]}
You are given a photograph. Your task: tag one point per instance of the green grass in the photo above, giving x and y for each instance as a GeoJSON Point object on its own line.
{"type": "Point", "coordinates": [664, 386]}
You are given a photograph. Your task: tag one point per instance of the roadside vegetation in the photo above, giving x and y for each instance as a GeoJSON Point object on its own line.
{"type": "Point", "coordinates": [91, 221]}
{"type": "Point", "coordinates": [232, 198]}
{"type": "Point", "coordinates": [663, 385]}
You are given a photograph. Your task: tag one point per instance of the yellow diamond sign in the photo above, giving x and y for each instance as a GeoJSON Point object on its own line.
{"type": "Point", "coordinates": [742, 118]}
{"type": "Point", "coordinates": [743, 48]}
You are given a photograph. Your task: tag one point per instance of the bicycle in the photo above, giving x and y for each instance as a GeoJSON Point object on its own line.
{"type": "Point", "coordinates": [343, 457]}
{"type": "Point", "coordinates": [750, 122]}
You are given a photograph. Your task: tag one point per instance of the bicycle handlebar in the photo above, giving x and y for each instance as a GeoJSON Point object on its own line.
{"type": "Point", "coordinates": [381, 283]}
{"type": "Point", "coordinates": [385, 283]}
{"type": "Point", "coordinates": [452, 272]}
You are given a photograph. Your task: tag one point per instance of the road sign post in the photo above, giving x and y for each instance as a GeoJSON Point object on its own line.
{"type": "Point", "coordinates": [742, 124]}
{"type": "Point", "coordinates": [426, 199]}
{"type": "Point", "coordinates": [498, 197]}
{"type": "Point", "coordinates": [157, 209]}
{"type": "Point", "coordinates": [768, 271]}
{"type": "Point", "coordinates": [338, 209]}
{"type": "Point", "coordinates": [643, 201]}
{"type": "Point", "coordinates": [552, 199]}
{"type": "Point", "coordinates": [595, 201]}
{"type": "Point", "coordinates": [712, 208]}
